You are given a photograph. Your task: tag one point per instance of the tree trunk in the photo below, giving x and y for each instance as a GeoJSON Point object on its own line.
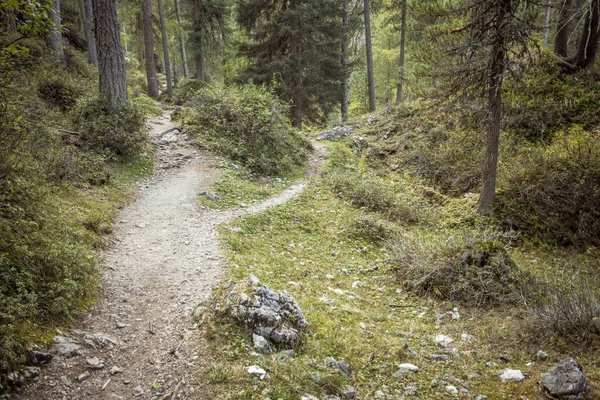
{"type": "Point", "coordinates": [492, 137]}
{"type": "Point", "coordinates": [547, 24]}
{"type": "Point", "coordinates": [401, 61]}
{"type": "Point", "coordinates": [563, 29]}
{"type": "Point", "coordinates": [186, 72]}
{"type": "Point", "coordinates": [88, 28]}
{"type": "Point", "coordinates": [149, 49]}
{"type": "Point", "coordinates": [165, 43]}
{"type": "Point", "coordinates": [56, 38]}
{"type": "Point", "coordinates": [587, 48]}
{"type": "Point", "coordinates": [369, 48]}
{"type": "Point", "coordinates": [345, 63]}
{"type": "Point", "coordinates": [198, 50]}
{"type": "Point", "coordinates": [111, 62]}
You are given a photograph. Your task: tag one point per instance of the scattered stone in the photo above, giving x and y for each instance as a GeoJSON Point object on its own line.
{"type": "Point", "coordinates": [340, 365]}
{"type": "Point", "coordinates": [256, 370]}
{"type": "Point", "coordinates": [138, 391]}
{"type": "Point", "coordinates": [115, 370]}
{"type": "Point", "coordinates": [410, 391]}
{"type": "Point", "coordinates": [473, 375]}
{"type": "Point", "coordinates": [348, 392]}
{"type": "Point", "coordinates": [317, 379]}
{"type": "Point", "coordinates": [94, 363]}
{"type": "Point", "coordinates": [511, 375]}
{"type": "Point", "coordinates": [491, 364]}
{"type": "Point", "coordinates": [210, 195]}
{"type": "Point", "coordinates": [262, 345]}
{"type": "Point", "coordinates": [443, 340]}
{"type": "Point", "coordinates": [506, 358]}
{"type": "Point", "coordinates": [84, 376]}
{"type": "Point", "coordinates": [451, 389]}
{"type": "Point", "coordinates": [335, 133]}
{"type": "Point", "coordinates": [565, 381]}
{"type": "Point", "coordinates": [409, 367]}
{"type": "Point", "coordinates": [100, 339]}
{"type": "Point", "coordinates": [307, 396]}
{"type": "Point", "coordinates": [440, 357]}
{"type": "Point", "coordinates": [120, 325]}
{"type": "Point", "coordinates": [237, 229]}
{"type": "Point", "coordinates": [40, 357]}
{"type": "Point", "coordinates": [465, 337]}
{"type": "Point", "coordinates": [65, 347]}
{"type": "Point", "coordinates": [481, 397]}
{"type": "Point", "coordinates": [541, 355]}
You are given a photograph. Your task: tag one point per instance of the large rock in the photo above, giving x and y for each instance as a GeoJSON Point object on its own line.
{"type": "Point", "coordinates": [266, 313]}
{"type": "Point", "coordinates": [335, 133]}
{"type": "Point", "coordinates": [565, 381]}
{"type": "Point", "coordinates": [65, 346]}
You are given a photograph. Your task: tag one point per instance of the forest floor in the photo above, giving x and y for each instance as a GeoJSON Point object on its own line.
{"type": "Point", "coordinates": [139, 340]}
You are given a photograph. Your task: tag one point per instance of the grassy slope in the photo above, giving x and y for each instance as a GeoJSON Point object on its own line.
{"type": "Point", "coordinates": [374, 326]}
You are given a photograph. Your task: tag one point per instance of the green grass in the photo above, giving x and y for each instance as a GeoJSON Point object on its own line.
{"type": "Point", "coordinates": [319, 242]}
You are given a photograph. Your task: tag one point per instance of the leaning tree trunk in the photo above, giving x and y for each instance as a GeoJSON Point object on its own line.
{"type": "Point", "coordinates": [345, 63]}
{"type": "Point", "coordinates": [198, 50]}
{"type": "Point", "coordinates": [186, 72]}
{"type": "Point", "coordinates": [88, 28]}
{"type": "Point", "coordinates": [563, 29]}
{"type": "Point", "coordinates": [587, 48]}
{"type": "Point", "coordinates": [149, 49]}
{"type": "Point", "coordinates": [165, 43]}
{"type": "Point", "coordinates": [401, 61]}
{"type": "Point", "coordinates": [111, 62]}
{"type": "Point", "coordinates": [56, 38]}
{"type": "Point", "coordinates": [369, 48]}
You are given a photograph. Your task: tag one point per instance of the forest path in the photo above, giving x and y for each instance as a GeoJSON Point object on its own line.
{"type": "Point", "coordinates": [164, 260]}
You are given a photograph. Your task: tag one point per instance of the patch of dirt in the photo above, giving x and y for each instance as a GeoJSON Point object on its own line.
{"type": "Point", "coordinates": [164, 260]}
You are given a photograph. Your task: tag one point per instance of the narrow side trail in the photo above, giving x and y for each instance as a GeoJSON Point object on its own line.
{"type": "Point", "coordinates": [139, 340]}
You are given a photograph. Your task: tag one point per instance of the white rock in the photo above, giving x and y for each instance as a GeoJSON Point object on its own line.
{"type": "Point", "coordinates": [329, 276]}
{"type": "Point", "coordinates": [409, 367]}
{"type": "Point", "coordinates": [356, 283]}
{"type": "Point", "coordinates": [336, 291]}
{"type": "Point", "coordinates": [307, 396]}
{"type": "Point", "coordinates": [451, 389]}
{"type": "Point", "coordinates": [237, 229]}
{"type": "Point", "coordinates": [362, 325]}
{"type": "Point", "coordinates": [443, 340]}
{"type": "Point", "coordinates": [256, 370]}
{"type": "Point", "coordinates": [253, 280]}
{"type": "Point", "coordinates": [511, 375]}
{"type": "Point", "coordinates": [326, 300]}
{"type": "Point", "coordinates": [465, 337]}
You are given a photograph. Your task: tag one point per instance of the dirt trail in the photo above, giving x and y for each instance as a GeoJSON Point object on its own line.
{"type": "Point", "coordinates": [164, 261]}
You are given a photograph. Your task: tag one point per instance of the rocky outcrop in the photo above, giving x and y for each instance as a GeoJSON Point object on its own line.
{"type": "Point", "coordinates": [335, 133]}
{"type": "Point", "coordinates": [565, 381]}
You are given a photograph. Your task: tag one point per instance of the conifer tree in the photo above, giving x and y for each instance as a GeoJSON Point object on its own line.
{"type": "Point", "coordinates": [296, 47]}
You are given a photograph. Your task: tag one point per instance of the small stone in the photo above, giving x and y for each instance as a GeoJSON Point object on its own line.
{"type": "Point", "coordinates": [94, 363]}
{"type": "Point", "coordinates": [409, 367]}
{"type": "Point", "coordinates": [511, 375]}
{"type": "Point", "coordinates": [465, 337]}
{"type": "Point", "coordinates": [472, 375]}
{"type": "Point", "coordinates": [505, 358]}
{"type": "Point", "coordinates": [256, 370]}
{"type": "Point", "coordinates": [115, 370]}
{"type": "Point", "coordinates": [84, 376]}
{"type": "Point", "coordinates": [307, 396]}
{"type": "Point", "coordinates": [410, 391]}
{"type": "Point", "coordinates": [481, 397]}
{"type": "Point", "coordinates": [261, 344]}
{"type": "Point", "coordinates": [65, 347]}
{"type": "Point", "coordinates": [541, 355]}
{"type": "Point", "coordinates": [440, 357]}
{"type": "Point", "coordinates": [443, 340]}
{"type": "Point", "coordinates": [451, 389]}
{"type": "Point", "coordinates": [237, 229]}
{"type": "Point", "coordinates": [120, 325]}
{"type": "Point", "coordinates": [138, 391]}
{"type": "Point", "coordinates": [349, 392]}
{"type": "Point", "coordinates": [253, 280]}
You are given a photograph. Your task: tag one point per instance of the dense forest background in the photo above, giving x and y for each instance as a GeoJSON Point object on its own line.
{"type": "Point", "coordinates": [493, 99]}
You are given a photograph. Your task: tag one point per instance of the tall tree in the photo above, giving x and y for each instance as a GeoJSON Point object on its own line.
{"type": "Point", "coordinates": [111, 62]}
{"type": "Point", "coordinates": [587, 47]}
{"type": "Point", "coordinates": [56, 39]}
{"type": "Point", "coordinates": [295, 45]}
{"type": "Point", "coordinates": [165, 43]}
{"type": "Point", "coordinates": [151, 77]}
{"type": "Point", "coordinates": [345, 40]}
{"type": "Point", "coordinates": [561, 41]}
{"type": "Point", "coordinates": [547, 24]}
{"type": "Point", "coordinates": [401, 60]}
{"type": "Point", "coordinates": [369, 51]}
{"type": "Point", "coordinates": [209, 22]}
{"type": "Point", "coordinates": [198, 42]}
{"type": "Point", "coordinates": [88, 28]}
{"type": "Point", "coordinates": [186, 72]}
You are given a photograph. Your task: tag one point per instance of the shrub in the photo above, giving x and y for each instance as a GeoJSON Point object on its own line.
{"type": "Point", "coordinates": [568, 310]}
{"type": "Point", "coordinates": [474, 269]}
{"type": "Point", "coordinates": [248, 125]}
{"type": "Point", "coordinates": [186, 91]}
{"type": "Point", "coordinates": [373, 228]}
{"type": "Point", "coordinates": [57, 93]}
{"type": "Point", "coordinates": [147, 106]}
{"type": "Point", "coordinates": [121, 133]}
{"type": "Point", "coordinates": [554, 191]}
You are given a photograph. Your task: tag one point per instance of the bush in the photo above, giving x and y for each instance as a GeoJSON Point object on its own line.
{"type": "Point", "coordinates": [248, 125]}
{"type": "Point", "coordinates": [373, 228]}
{"type": "Point", "coordinates": [147, 106]}
{"type": "Point", "coordinates": [186, 91]}
{"type": "Point", "coordinates": [554, 191]}
{"type": "Point", "coordinates": [121, 133]}
{"type": "Point", "coordinates": [474, 270]}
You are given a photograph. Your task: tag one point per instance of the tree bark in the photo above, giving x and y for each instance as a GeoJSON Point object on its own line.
{"type": "Point", "coordinates": [165, 43]}
{"type": "Point", "coordinates": [369, 48]}
{"type": "Point", "coordinates": [563, 29]}
{"type": "Point", "coordinates": [345, 63]}
{"type": "Point", "coordinates": [56, 38]}
{"type": "Point", "coordinates": [587, 47]}
{"type": "Point", "coordinates": [149, 49]}
{"type": "Point", "coordinates": [547, 24]}
{"type": "Point", "coordinates": [198, 50]}
{"type": "Point", "coordinates": [186, 72]}
{"type": "Point", "coordinates": [401, 61]}
{"type": "Point", "coordinates": [111, 62]}
{"type": "Point", "coordinates": [88, 28]}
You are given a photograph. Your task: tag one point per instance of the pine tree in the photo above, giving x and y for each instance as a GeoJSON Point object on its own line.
{"type": "Point", "coordinates": [296, 47]}
{"type": "Point", "coordinates": [149, 48]}
{"type": "Point", "coordinates": [165, 42]}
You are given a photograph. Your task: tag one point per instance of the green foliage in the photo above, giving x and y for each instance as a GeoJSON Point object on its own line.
{"type": "Point", "coordinates": [147, 106]}
{"type": "Point", "coordinates": [373, 228]}
{"type": "Point", "coordinates": [121, 133]}
{"type": "Point", "coordinates": [554, 191]}
{"type": "Point", "coordinates": [247, 125]}
{"type": "Point", "coordinates": [185, 91]}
